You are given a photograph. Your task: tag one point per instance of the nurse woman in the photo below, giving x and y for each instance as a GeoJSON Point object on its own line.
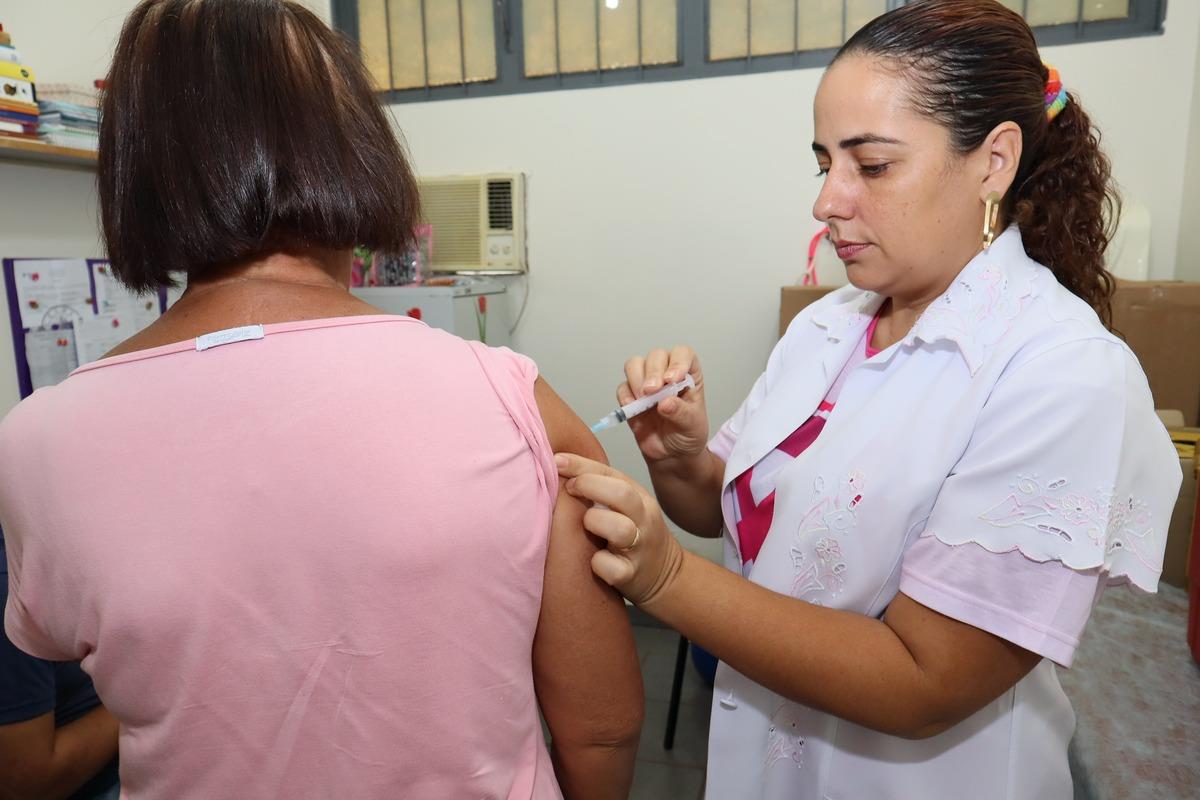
{"type": "Point", "coordinates": [942, 466]}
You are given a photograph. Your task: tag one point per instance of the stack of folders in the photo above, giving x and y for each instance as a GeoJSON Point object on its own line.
{"type": "Point", "coordinates": [70, 116]}
{"type": "Point", "coordinates": [18, 111]}
{"type": "Point", "coordinates": [18, 103]}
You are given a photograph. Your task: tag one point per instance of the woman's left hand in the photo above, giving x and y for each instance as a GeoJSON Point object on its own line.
{"type": "Point", "coordinates": [642, 557]}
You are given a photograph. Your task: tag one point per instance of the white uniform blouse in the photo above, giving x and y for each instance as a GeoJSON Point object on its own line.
{"type": "Point", "coordinates": [1009, 418]}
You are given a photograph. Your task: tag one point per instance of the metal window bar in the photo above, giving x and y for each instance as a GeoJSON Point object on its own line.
{"type": "Point", "coordinates": [557, 45]}
{"type": "Point", "coordinates": [462, 48]}
{"type": "Point", "coordinates": [641, 60]}
{"type": "Point", "coordinates": [796, 50]}
{"type": "Point", "coordinates": [795, 31]}
{"type": "Point", "coordinates": [599, 69]}
{"type": "Point", "coordinates": [1145, 18]}
{"type": "Point", "coordinates": [427, 85]}
{"type": "Point", "coordinates": [424, 48]}
{"type": "Point", "coordinates": [387, 21]}
{"type": "Point", "coordinates": [1140, 12]}
{"type": "Point", "coordinates": [749, 34]}
{"type": "Point", "coordinates": [596, 16]}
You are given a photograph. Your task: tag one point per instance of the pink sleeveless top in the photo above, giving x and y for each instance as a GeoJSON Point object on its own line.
{"type": "Point", "coordinates": [303, 565]}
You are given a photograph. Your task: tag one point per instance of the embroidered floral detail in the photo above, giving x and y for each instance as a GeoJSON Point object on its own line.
{"type": "Point", "coordinates": [798, 558]}
{"type": "Point", "coordinates": [829, 549]}
{"type": "Point", "coordinates": [835, 579]}
{"type": "Point", "coordinates": [1078, 509]}
{"type": "Point", "coordinates": [848, 317]}
{"type": "Point", "coordinates": [978, 309]}
{"type": "Point", "coordinates": [807, 580]}
{"type": "Point", "coordinates": [830, 517]}
{"type": "Point", "coordinates": [1131, 529]}
{"type": "Point", "coordinates": [975, 313]}
{"type": "Point", "coordinates": [1035, 506]}
{"type": "Point", "coordinates": [1116, 523]}
{"type": "Point", "coordinates": [784, 742]}
{"type": "Point", "coordinates": [840, 520]}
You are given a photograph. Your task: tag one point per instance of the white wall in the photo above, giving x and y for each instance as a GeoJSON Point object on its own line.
{"type": "Point", "coordinates": [664, 213]}
{"type": "Point", "coordinates": [1189, 231]}
{"type": "Point", "coordinates": [658, 213]}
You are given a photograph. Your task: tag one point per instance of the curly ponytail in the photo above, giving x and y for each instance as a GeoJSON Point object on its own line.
{"type": "Point", "coordinates": [1067, 207]}
{"type": "Point", "coordinates": [978, 66]}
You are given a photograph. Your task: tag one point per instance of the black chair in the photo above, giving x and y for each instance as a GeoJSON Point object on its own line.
{"type": "Point", "coordinates": [676, 689]}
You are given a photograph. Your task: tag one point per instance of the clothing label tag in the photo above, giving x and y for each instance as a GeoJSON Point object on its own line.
{"type": "Point", "coordinates": [243, 334]}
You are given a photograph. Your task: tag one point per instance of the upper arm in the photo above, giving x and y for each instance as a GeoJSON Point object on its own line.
{"type": "Point", "coordinates": [25, 749]}
{"type": "Point", "coordinates": [962, 668]}
{"type": "Point", "coordinates": [27, 698]}
{"type": "Point", "coordinates": [585, 662]}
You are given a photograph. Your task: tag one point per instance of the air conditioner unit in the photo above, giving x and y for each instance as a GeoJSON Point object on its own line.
{"type": "Point", "coordinates": [478, 222]}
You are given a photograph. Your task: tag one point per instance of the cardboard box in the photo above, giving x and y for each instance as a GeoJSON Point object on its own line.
{"type": "Point", "coordinates": [793, 299]}
{"type": "Point", "coordinates": [1160, 321]}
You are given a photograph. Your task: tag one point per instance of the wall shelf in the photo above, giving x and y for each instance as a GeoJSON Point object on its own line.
{"type": "Point", "coordinates": [13, 149]}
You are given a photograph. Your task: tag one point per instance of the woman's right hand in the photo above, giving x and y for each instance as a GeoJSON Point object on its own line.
{"type": "Point", "coordinates": [678, 427]}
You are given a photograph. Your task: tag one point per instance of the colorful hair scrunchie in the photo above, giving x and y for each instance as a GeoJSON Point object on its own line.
{"type": "Point", "coordinates": [1056, 95]}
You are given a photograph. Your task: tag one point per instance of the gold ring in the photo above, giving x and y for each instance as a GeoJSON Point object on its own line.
{"type": "Point", "coordinates": [637, 535]}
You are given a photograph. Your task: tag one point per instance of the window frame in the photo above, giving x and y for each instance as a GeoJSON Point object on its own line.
{"type": "Point", "coordinates": [1146, 18]}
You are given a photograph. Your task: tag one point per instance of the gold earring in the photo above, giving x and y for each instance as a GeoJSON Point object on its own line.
{"type": "Point", "coordinates": [991, 219]}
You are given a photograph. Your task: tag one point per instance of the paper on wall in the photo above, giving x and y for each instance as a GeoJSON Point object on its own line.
{"type": "Point", "coordinates": [50, 354]}
{"type": "Point", "coordinates": [98, 335]}
{"type": "Point", "coordinates": [51, 292]}
{"type": "Point", "coordinates": [113, 298]}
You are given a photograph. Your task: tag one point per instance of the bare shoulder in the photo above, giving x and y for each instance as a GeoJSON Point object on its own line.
{"type": "Point", "coordinates": [566, 430]}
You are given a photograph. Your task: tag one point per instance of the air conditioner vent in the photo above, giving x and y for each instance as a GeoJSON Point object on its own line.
{"type": "Point", "coordinates": [500, 205]}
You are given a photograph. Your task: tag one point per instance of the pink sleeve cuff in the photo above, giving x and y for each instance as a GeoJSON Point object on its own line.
{"type": "Point", "coordinates": [721, 445]}
{"type": "Point", "coordinates": [994, 619]}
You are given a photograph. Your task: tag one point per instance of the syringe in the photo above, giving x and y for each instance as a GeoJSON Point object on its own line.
{"type": "Point", "coordinates": [646, 403]}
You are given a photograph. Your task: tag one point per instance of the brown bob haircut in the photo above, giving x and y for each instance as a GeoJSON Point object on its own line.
{"type": "Point", "coordinates": [235, 128]}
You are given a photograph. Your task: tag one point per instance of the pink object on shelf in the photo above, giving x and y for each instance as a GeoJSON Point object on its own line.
{"type": "Point", "coordinates": [810, 272]}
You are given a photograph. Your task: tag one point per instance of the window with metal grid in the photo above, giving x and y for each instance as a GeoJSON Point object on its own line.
{"type": "Point", "coordinates": [740, 29]}
{"type": "Point", "coordinates": [435, 49]}
{"type": "Point", "coordinates": [579, 36]}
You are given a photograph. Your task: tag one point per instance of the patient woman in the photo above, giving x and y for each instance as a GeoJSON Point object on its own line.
{"type": "Point", "coordinates": [305, 549]}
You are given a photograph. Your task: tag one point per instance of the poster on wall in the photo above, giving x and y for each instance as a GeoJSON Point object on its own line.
{"type": "Point", "coordinates": [51, 291]}
{"type": "Point", "coordinates": [66, 312]}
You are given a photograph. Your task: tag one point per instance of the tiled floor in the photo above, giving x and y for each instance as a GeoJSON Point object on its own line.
{"type": "Point", "coordinates": [676, 774]}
